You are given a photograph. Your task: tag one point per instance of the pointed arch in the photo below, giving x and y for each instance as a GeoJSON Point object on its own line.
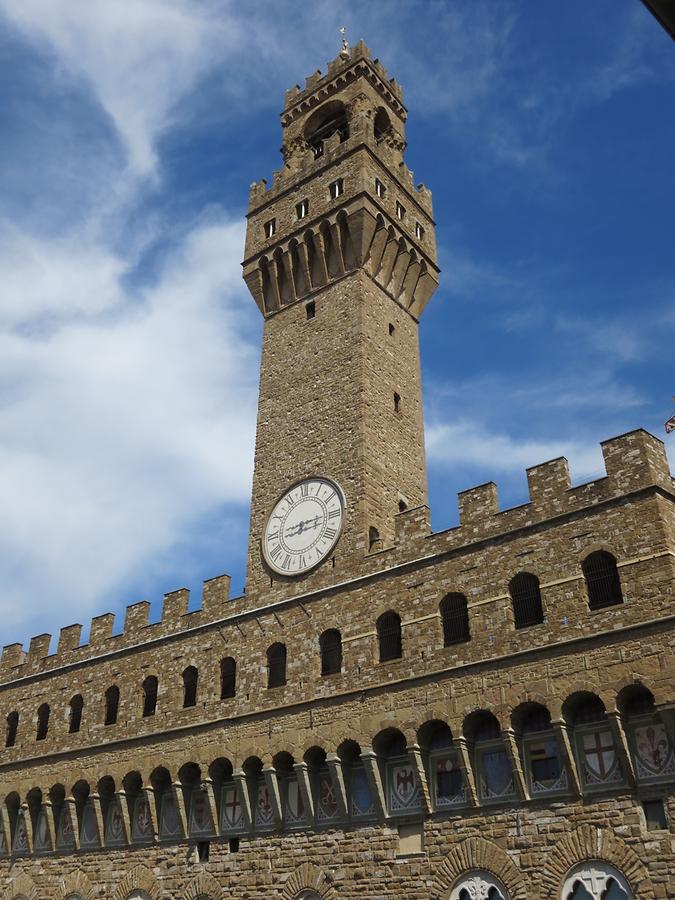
{"type": "Point", "coordinates": [21, 886]}
{"type": "Point", "coordinates": [588, 843]}
{"type": "Point", "coordinates": [75, 883]}
{"type": "Point", "coordinates": [204, 885]}
{"type": "Point", "coordinates": [140, 878]}
{"type": "Point", "coordinates": [308, 877]}
{"type": "Point", "coordinates": [478, 853]}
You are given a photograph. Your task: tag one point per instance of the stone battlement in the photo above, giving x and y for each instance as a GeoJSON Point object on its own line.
{"type": "Point", "coordinates": [318, 81]}
{"type": "Point", "coordinates": [633, 461]}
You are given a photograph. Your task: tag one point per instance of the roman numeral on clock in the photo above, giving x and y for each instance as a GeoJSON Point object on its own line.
{"type": "Point", "coordinates": [330, 533]}
{"type": "Point", "coordinates": [304, 490]}
{"type": "Point", "coordinates": [275, 552]}
{"type": "Point", "coordinates": [333, 512]}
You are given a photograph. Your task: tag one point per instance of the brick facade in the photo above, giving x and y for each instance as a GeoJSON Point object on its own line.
{"type": "Point", "coordinates": [503, 746]}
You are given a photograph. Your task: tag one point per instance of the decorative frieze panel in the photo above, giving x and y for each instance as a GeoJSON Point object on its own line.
{"type": "Point", "coordinates": [495, 774]}
{"type": "Point", "coordinates": [89, 836]}
{"type": "Point", "coordinates": [231, 812]}
{"type": "Point", "coordinates": [20, 842]}
{"type": "Point", "coordinates": [141, 822]}
{"type": "Point", "coordinates": [361, 801]}
{"type": "Point", "coordinates": [546, 773]}
{"type": "Point", "coordinates": [653, 754]}
{"type": "Point", "coordinates": [448, 787]}
{"type": "Point", "coordinates": [65, 838]}
{"type": "Point", "coordinates": [263, 818]}
{"type": "Point", "coordinates": [598, 760]}
{"type": "Point", "coordinates": [42, 841]}
{"type": "Point", "coordinates": [115, 835]}
{"type": "Point", "coordinates": [170, 827]}
{"type": "Point", "coordinates": [404, 792]}
{"type": "Point", "coordinates": [327, 809]}
{"type": "Point", "coordinates": [295, 814]}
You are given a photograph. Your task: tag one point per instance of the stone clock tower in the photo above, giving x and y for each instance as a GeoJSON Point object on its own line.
{"type": "Point", "coordinates": [341, 261]}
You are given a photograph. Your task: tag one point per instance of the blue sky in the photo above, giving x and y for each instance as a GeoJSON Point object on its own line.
{"type": "Point", "coordinates": [129, 346]}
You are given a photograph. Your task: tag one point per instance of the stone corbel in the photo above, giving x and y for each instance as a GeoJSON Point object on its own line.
{"type": "Point", "coordinates": [207, 785]}
{"type": "Point", "coordinates": [126, 818]}
{"type": "Point", "coordinates": [621, 742]}
{"type": "Point", "coordinates": [49, 818]}
{"type": "Point", "coordinates": [667, 713]}
{"type": "Point", "coordinates": [149, 792]}
{"type": "Point", "coordinates": [464, 761]}
{"type": "Point", "coordinates": [71, 812]}
{"type": "Point", "coordinates": [98, 812]}
{"type": "Point", "coordinates": [241, 785]}
{"type": "Point", "coordinates": [416, 759]}
{"type": "Point", "coordinates": [372, 767]}
{"type": "Point", "coordinates": [302, 772]}
{"type": "Point", "coordinates": [564, 742]}
{"type": "Point", "coordinates": [511, 745]}
{"type": "Point", "coordinates": [179, 798]}
{"type": "Point", "coordinates": [6, 827]}
{"type": "Point", "coordinates": [28, 825]}
{"type": "Point", "coordinates": [272, 783]}
{"type": "Point", "coordinates": [337, 775]}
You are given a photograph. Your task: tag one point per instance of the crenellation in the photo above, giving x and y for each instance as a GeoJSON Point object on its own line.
{"type": "Point", "coordinates": [634, 460]}
{"type": "Point", "coordinates": [38, 649]}
{"type": "Point", "coordinates": [215, 596]}
{"type": "Point", "coordinates": [175, 606]}
{"type": "Point", "coordinates": [477, 505]}
{"type": "Point", "coordinates": [101, 630]}
{"type": "Point", "coordinates": [136, 618]}
{"type": "Point", "coordinates": [13, 655]}
{"type": "Point", "coordinates": [548, 484]}
{"type": "Point", "coordinates": [69, 639]}
{"type": "Point", "coordinates": [411, 525]}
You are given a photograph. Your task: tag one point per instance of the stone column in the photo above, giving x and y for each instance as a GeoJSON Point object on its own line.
{"type": "Point", "coordinates": [512, 751]}
{"type": "Point", "coordinates": [416, 759]}
{"type": "Point", "coordinates": [464, 760]}
{"type": "Point", "coordinates": [372, 767]}
{"type": "Point", "coordinates": [241, 783]}
{"type": "Point", "coordinates": [302, 772]}
{"type": "Point", "coordinates": [338, 776]}
{"type": "Point", "coordinates": [272, 782]}
{"type": "Point", "coordinates": [621, 743]}
{"type": "Point", "coordinates": [565, 743]}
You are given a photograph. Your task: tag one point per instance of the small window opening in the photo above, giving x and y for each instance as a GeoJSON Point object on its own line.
{"type": "Point", "coordinates": [150, 696]}
{"type": "Point", "coordinates": [234, 845]}
{"type": "Point", "coordinates": [76, 705]}
{"type": "Point", "coordinates": [112, 702]}
{"type": "Point", "coordinates": [392, 328]}
{"type": "Point", "coordinates": [397, 402]}
{"type": "Point", "coordinates": [655, 815]}
{"type": "Point", "coordinates": [228, 678]}
{"type": "Point", "coordinates": [419, 231]}
{"type": "Point", "coordinates": [190, 676]}
{"type": "Point", "coordinates": [310, 309]}
{"type": "Point", "coordinates": [373, 538]}
{"type": "Point", "coordinates": [270, 228]}
{"type": "Point", "coordinates": [276, 665]}
{"type": "Point", "coordinates": [12, 726]}
{"type": "Point", "coordinates": [389, 637]}
{"type": "Point", "coordinates": [400, 211]}
{"type": "Point", "coordinates": [336, 188]}
{"type": "Point", "coordinates": [302, 209]}
{"type": "Point", "coordinates": [382, 124]}
{"type": "Point", "coordinates": [330, 646]}
{"type": "Point", "coordinates": [402, 506]}
{"type": "Point", "coordinates": [203, 850]}
{"type": "Point", "coordinates": [43, 722]}
{"type": "Point", "coordinates": [526, 600]}
{"type": "Point", "coordinates": [380, 189]}
{"type": "Point", "coordinates": [455, 619]}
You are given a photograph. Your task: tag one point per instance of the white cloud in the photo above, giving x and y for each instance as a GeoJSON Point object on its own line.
{"type": "Point", "coordinates": [121, 430]}
{"type": "Point", "coordinates": [468, 443]}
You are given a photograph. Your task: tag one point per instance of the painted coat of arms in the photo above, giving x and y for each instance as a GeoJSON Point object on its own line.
{"type": "Point", "coordinates": [232, 815]}
{"type": "Point", "coordinates": [20, 843]}
{"type": "Point", "coordinates": [114, 828]}
{"type": "Point", "coordinates": [295, 805]}
{"type": "Point", "coordinates": [600, 763]}
{"type": "Point", "coordinates": [361, 798]}
{"type": "Point", "coordinates": [64, 831]}
{"type": "Point", "coordinates": [449, 787]}
{"type": "Point", "coordinates": [41, 840]}
{"type": "Point", "coordinates": [496, 775]}
{"type": "Point", "coordinates": [200, 814]}
{"type": "Point", "coordinates": [89, 830]}
{"type": "Point", "coordinates": [654, 756]}
{"type": "Point", "coordinates": [327, 807]}
{"type": "Point", "coordinates": [264, 812]}
{"type": "Point", "coordinates": [404, 788]}
{"type": "Point", "coordinates": [141, 828]}
{"type": "Point", "coordinates": [170, 825]}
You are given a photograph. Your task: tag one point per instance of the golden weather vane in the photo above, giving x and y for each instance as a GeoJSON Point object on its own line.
{"type": "Point", "coordinates": [344, 52]}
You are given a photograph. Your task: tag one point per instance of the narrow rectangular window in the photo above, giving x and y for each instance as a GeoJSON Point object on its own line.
{"type": "Point", "coordinates": [400, 211]}
{"type": "Point", "coordinates": [419, 231]}
{"type": "Point", "coordinates": [310, 308]}
{"type": "Point", "coordinates": [655, 815]}
{"type": "Point", "coordinates": [397, 402]}
{"type": "Point", "coordinates": [336, 188]}
{"type": "Point", "coordinates": [302, 209]}
{"type": "Point", "coordinates": [270, 228]}
{"type": "Point", "coordinates": [380, 189]}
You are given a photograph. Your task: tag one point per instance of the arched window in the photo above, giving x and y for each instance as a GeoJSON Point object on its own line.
{"type": "Point", "coordinates": [374, 542]}
{"type": "Point", "coordinates": [330, 645]}
{"type": "Point", "coordinates": [112, 703]}
{"type": "Point", "coordinates": [323, 123]}
{"type": "Point", "coordinates": [42, 722]}
{"type": "Point", "coordinates": [596, 881]}
{"type": "Point", "coordinates": [190, 678]}
{"type": "Point", "coordinates": [389, 636]}
{"type": "Point", "coordinates": [276, 665]}
{"type": "Point", "coordinates": [150, 687]}
{"type": "Point", "coordinates": [12, 728]}
{"type": "Point", "coordinates": [491, 762]}
{"type": "Point", "coordinates": [526, 600]}
{"type": "Point", "coordinates": [75, 716]}
{"type": "Point", "coordinates": [382, 123]}
{"type": "Point", "coordinates": [479, 884]}
{"type": "Point", "coordinates": [602, 580]}
{"type": "Point", "coordinates": [228, 678]}
{"type": "Point", "coordinates": [543, 764]}
{"type": "Point", "coordinates": [455, 619]}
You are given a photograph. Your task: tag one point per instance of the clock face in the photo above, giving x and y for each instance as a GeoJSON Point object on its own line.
{"type": "Point", "coordinates": [304, 526]}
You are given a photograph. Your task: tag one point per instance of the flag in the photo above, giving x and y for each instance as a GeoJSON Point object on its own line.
{"type": "Point", "coordinates": [670, 424]}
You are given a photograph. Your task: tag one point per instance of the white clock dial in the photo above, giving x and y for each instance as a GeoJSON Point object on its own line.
{"type": "Point", "coordinates": [304, 526]}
